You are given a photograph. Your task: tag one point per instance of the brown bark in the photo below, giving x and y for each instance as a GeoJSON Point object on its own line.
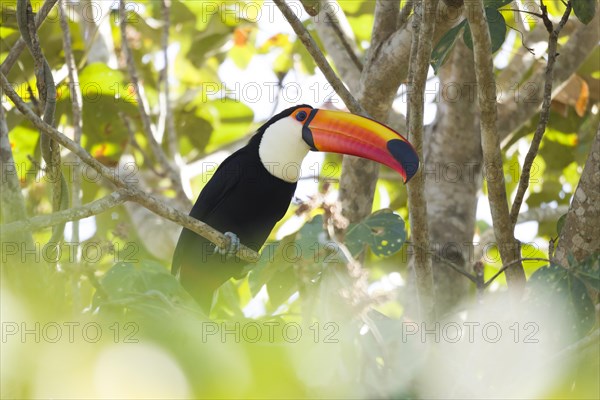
{"type": "Point", "coordinates": [508, 246]}
{"type": "Point", "coordinates": [580, 235]}
{"type": "Point", "coordinates": [385, 70]}
{"type": "Point", "coordinates": [453, 161]}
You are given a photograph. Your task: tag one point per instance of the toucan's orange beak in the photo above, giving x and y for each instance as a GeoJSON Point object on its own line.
{"type": "Point", "coordinates": [345, 133]}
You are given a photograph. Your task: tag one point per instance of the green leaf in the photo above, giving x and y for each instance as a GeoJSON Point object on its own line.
{"type": "Point", "coordinates": [384, 231]}
{"type": "Point", "coordinates": [233, 122]}
{"type": "Point", "coordinates": [274, 258]}
{"type": "Point", "coordinates": [307, 247]}
{"type": "Point", "coordinates": [145, 286]}
{"type": "Point", "coordinates": [589, 271]}
{"type": "Point", "coordinates": [584, 10]}
{"type": "Point", "coordinates": [440, 53]}
{"type": "Point", "coordinates": [105, 94]}
{"type": "Point", "coordinates": [309, 237]}
{"type": "Point", "coordinates": [24, 141]}
{"type": "Point", "coordinates": [361, 25]}
{"type": "Point", "coordinates": [281, 286]}
{"type": "Point", "coordinates": [205, 44]}
{"type": "Point", "coordinates": [496, 3]}
{"type": "Point", "coordinates": [357, 7]}
{"type": "Point", "coordinates": [497, 27]}
{"type": "Point", "coordinates": [242, 55]}
{"type": "Point", "coordinates": [558, 288]}
{"type": "Point", "coordinates": [194, 125]}
{"type": "Point", "coordinates": [261, 272]}
{"type": "Point", "coordinates": [180, 12]}
{"type": "Point", "coordinates": [228, 299]}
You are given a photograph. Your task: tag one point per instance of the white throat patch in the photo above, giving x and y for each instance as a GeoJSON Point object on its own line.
{"type": "Point", "coordinates": [281, 149]}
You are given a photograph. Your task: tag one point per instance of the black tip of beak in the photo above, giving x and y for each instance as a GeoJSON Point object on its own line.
{"type": "Point", "coordinates": [406, 155]}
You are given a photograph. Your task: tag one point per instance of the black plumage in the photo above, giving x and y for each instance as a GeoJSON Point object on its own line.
{"type": "Point", "coordinates": [242, 197]}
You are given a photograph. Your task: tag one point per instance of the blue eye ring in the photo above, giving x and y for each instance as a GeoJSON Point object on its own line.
{"type": "Point", "coordinates": [301, 116]}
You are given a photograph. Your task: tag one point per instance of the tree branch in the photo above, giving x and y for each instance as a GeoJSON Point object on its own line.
{"type": "Point", "coordinates": [142, 108]}
{"type": "Point", "coordinates": [389, 67]}
{"type": "Point", "coordinates": [337, 85]}
{"type": "Point", "coordinates": [486, 89]}
{"type": "Point", "coordinates": [544, 114]}
{"type": "Point", "coordinates": [385, 19]}
{"type": "Point", "coordinates": [404, 14]}
{"type": "Point", "coordinates": [72, 214]}
{"type": "Point", "coordinates": [137, 195]}
{"type": "Point", "coordinates": [423, 21]}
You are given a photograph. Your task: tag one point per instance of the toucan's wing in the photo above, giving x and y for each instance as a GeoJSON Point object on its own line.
{"type": "Point", "coordinates": [224, 180]}
{"type": "Point", "coordinates": [222, 183]}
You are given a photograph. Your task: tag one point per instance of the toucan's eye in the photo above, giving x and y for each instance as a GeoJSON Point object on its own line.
{"type": "Point", "coordinates": [301, 116]}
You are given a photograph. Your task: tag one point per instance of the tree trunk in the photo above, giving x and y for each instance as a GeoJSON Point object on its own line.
{"type": "Point", "coordinates": [580, 235]}
{"type": "Point", "coordinates": [452, 167]}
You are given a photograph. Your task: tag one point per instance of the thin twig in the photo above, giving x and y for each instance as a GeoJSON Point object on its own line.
{"type": "Point", "coordinates": [510, 264]}
{"type": "Point", "coordinates": [456, 267]}
{"type": "Point", "coordinates": [75, 91]}
{"type": "Point", "coordinates": [423, 27]}
{"type": "Point", "coordinates": [91, 39]}
{"type": "Point", "coordinates": [167, 106]}
{"type": "Point", "coordinates": [136, 145]}
{"type": "Point", "coordinates": [344, 40]}
{"type": "Point", "coordinates": [529, 49]}
{"type": "Point", "coordinates": [490, 143]}
{"type": "Point", "coordinates": [521, 11]}
{"type": "Point", "coordinates": [76, 103]}
{"type": "Point", "coordinates": [150, 202]}
{"type": "Point", "coordinates": [474, 278]}
{"type": "Point", "coordinates": [544, 113]}
{"type": "Point", "coordinates": [305, 37]}
{"type": "Point", "coordinates": [147, 125]}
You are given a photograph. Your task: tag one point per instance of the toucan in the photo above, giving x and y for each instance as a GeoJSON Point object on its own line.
{"type": "Point", "coordinates": [252, 189]}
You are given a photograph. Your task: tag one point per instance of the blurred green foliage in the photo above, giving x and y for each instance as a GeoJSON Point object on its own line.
{"type": "Point", "coordinates": [302, 323]}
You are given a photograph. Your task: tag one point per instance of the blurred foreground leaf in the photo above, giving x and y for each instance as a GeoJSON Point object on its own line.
{"type": "Point", "coordinates": [566, 295]}
{"type": "Point", "coordinates": [145, 287]}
